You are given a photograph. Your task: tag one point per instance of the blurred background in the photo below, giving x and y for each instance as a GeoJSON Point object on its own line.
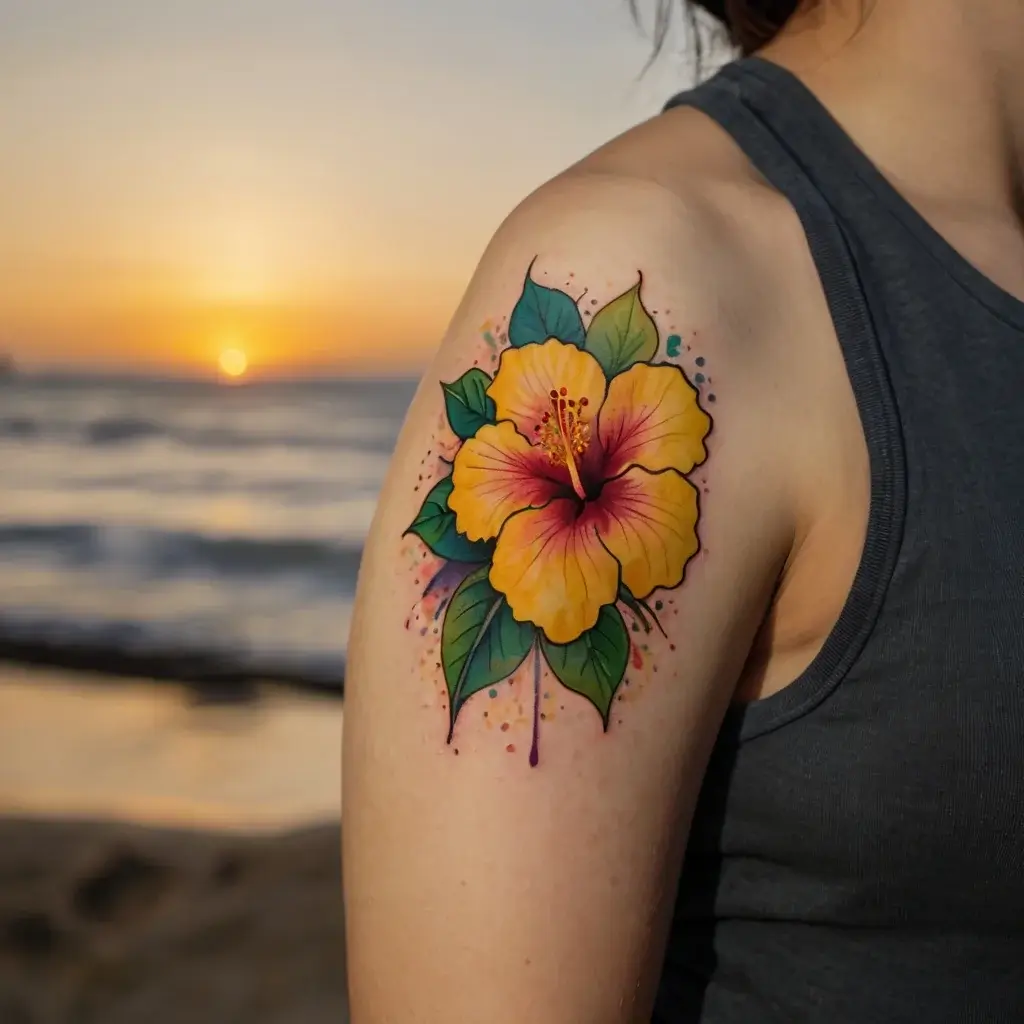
{"type": "Point", "coordinates": [231, 232]}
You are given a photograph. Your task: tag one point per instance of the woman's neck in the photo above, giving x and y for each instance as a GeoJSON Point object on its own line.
{"type": "Point", "coordinates": [933, 90]}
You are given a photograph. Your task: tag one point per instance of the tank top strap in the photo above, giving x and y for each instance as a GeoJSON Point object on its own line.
{"type": "Point", "coordinates": [783, 130]}
{"type": "Point", "coordinates": [786, 133]}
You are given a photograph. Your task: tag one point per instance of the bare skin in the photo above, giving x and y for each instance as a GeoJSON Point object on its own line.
{"type": "Point", "coordinates": [479, 887]}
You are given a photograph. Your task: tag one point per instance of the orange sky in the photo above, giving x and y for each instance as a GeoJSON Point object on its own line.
{"type": "Point", "coordinates": [310, 182]}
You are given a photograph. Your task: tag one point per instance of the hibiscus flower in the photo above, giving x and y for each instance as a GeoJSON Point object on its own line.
{"type": "Point", "coordinates": [582, 481]}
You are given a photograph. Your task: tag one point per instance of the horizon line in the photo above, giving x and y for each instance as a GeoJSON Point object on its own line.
{"type": "Point", "coordinates": [358, 372]}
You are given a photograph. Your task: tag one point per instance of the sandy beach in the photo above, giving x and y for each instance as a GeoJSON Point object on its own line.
{"type": "Point", "coordinates": [164, 860]}
{"type": "Point", "coordinates": [115, 924]}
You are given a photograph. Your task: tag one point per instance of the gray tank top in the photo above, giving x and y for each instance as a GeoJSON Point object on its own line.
{"type": "Point", "coordinates": [857, 854]}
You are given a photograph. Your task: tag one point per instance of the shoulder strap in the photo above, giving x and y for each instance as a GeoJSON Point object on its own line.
{"type": "Point", "coordinates": [769, 120]}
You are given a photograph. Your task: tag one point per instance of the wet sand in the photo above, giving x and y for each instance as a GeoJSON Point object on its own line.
{"type": "Point", "coordinates": [115, 924]}
{"type": "Point", "coordinates": [87, 746]}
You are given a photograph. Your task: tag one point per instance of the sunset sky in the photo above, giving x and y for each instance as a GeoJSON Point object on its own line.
{"type": "Point", "coordinates": [308, 181]}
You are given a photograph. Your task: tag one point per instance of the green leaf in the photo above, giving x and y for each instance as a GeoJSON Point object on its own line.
{"type": "Point", "coordinates": [641, 609]}
{"type": "Point", "coordinates": [622, 333]}
{"type": "Point", "coordinates": [594, 664]}
{"type": "Point", "coordinates": [467, 404]}
{"type": "Point", "coordinates": [635, 606]}
{"type": "Point", "coordinates": [435, 526]}
{"type": "Point", "coordinates": [481, 643]}
{"type": "Point", "coordinates": [542, 313]}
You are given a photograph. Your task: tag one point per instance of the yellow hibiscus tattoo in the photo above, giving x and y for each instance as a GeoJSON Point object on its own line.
{"type": "Point", "coordinates": [568, 498]}
{"type": "Point", "coordinates": [582, 482]}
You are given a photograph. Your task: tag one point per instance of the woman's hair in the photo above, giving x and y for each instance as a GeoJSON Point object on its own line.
{"type": "Point", "coordinates": [750, 23]}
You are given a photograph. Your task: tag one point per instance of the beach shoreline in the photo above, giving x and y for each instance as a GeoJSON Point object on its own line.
{"type": "Point", "coordinates": [166, 858]}
{"type": "Point", "coordinates": [184, 531]}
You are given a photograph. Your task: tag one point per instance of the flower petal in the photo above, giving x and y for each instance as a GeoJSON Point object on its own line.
{"type": "Point", "coordinates": [553, 570]}
{"type": "Point", "coordinates": [651, 418]}
{"type": "Point", "coordinates": [496, 473]}
{"type": "Point", "coordinates": [648, 521]}
{"type": "Point", "coordinates": [526, 377]}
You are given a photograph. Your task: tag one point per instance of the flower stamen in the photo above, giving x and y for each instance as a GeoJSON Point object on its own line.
{"type": "Point", "coordinates": [564, 434]}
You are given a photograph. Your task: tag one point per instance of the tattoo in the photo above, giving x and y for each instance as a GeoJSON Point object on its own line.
{"type": "Point", "coordinates": [564, 504]}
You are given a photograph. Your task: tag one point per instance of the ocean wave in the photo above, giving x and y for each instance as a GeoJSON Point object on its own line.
{"type": "Point", "coordinates": [120, 429]}
{"type": "Point", "coordinates": [128, 430]}
{"type": "Point", "coordinates": [168, 553]}
{"type": "Point", "coordinates": [18, 427]}
{"type": "Point", "coordinates": [369, 434]}
{"type": "Point", "coordinates": [161, 482]}
{"type": "Point", "coordinates": [128, 649]}
{"type": "Point", "coordinates": [63, 537]}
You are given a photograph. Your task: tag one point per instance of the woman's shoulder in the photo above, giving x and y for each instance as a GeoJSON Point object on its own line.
{"type": "Point", "coordinates": [678, 187]}
{"type": "Point", "coordinates": [681, 149]}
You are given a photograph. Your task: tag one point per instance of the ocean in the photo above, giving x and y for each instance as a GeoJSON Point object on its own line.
{"type": "Point", "coordinates": [188, 530]}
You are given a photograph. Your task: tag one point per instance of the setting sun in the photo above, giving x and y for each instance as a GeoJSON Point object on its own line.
{"type": "Point", "coordinates": [233, 362]}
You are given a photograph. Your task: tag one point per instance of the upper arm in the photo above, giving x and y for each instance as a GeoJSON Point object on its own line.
{"type": "Point", "coordinates": [554, 606]}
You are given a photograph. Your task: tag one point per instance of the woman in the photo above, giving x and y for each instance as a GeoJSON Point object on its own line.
{"type": "Point", "coordinates": [687, 681]}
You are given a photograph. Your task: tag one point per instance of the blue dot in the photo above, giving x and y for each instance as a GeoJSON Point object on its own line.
{"type": "Point", "coordinates": [492, 694]}
{"type": "Point", "coordinates": [699, 378]}
{"type": "Point", "coordinates": [673, 344]}
{"type": "Point", "coordinates": [700, 360]}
